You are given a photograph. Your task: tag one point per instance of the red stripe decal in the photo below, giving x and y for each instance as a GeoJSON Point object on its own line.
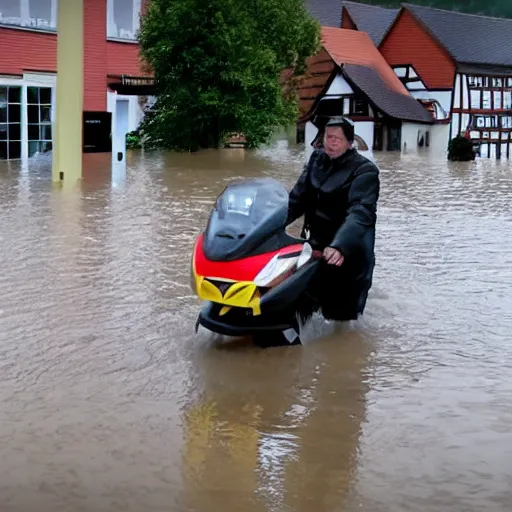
{"type": "Point", "coordinates": [244, 269]}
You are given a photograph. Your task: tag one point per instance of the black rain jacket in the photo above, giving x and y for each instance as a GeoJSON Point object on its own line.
{"type": "Point", "coordinates": [338, 198]}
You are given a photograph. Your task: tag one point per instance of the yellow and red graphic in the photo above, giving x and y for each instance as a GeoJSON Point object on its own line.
{"type": "Point", "coordinates": [231, 283]}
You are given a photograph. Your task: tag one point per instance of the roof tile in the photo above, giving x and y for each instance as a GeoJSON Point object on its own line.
{"type": "Point", "coordinates": [469, 38]}
{"type": "Point", "coordinates": [326, 12]}
{"type": "Point", "coordinates": [366, 67]}
{"type": "Point", "coordinates": [372, 19]}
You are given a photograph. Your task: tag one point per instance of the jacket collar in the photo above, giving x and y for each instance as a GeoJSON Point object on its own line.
{"type": "Point", "coordinates": [349, 154]}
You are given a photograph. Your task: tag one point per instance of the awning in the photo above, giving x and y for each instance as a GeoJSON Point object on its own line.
{"type": "Point", "coordinates": [132, 85]}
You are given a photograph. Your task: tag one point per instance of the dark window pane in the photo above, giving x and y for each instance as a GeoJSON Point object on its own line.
{"type": "Point", "coordinates": [3, 150]}
{"type": "Point", "coordinates": [14, 150]}
{"type": "Point", "coordinates": [33, 114]}
{"type": "Point", "coordinates": [3, 113]}
{"type": "Point", "coordinates": [360, 108]}
{"type": "Point", "coordinates": [14, 94]}
{"type": "Point", "coordinates": [14, 115]}
{"type": "Point", "coordinates": [33, 132]}
{"type": "Point", "coordinates": [32, 95]}
{"type": "Point", "coordinates": [3, 94]}
{"type": "Point", "coordinates": [45, 114]}
{"type": "Point", "coordinates": [33, 147]}
{"type": "Point", "coordinates": [45, 96]}
{"type": "Point", "coordinates": [46, 132]}
{"type": "Point", "coordinates": [46, 146]}
{"type": "Point", "coordinates": [14, 132]}
{"type": "Point", "coordinates": [3, 132]}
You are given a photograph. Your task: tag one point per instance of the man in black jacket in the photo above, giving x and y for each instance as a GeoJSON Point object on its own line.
{"type": "Point", "coordinates": [337, 193]}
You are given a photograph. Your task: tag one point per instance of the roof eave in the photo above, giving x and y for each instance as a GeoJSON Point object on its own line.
{"type": "Point", "coordinates": [311, 112]}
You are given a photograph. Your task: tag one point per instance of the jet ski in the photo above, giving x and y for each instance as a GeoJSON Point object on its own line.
{"type": "Point", "coordinates": [253, 275]}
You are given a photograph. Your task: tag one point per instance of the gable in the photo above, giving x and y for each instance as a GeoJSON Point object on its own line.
{"type": "Point", "coordinates": [468, 38]}
{"type": "Point", "coordinates": [316, 80]}
{"type": "Point", "coordinates": [372, 19]}
{"type": "Point", "coordinates": [408, 43]}
{"type": "Point", "coordinates": [346, 21]}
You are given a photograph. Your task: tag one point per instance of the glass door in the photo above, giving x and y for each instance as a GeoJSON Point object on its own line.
{"type": "Point", "coordinates": [39, 108]}
{"type": "Point", "coordinates": [10, 122]}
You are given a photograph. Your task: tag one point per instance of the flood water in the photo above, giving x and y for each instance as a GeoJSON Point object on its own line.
{"type": "Point", "coordinates": [110, 402]}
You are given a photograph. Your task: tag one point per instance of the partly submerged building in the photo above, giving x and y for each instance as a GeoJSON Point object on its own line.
{"type": "Point", "coordinates": [28, 63]}
{"type": "Point", "coordinates": [350, 77]}
{"type": "Point", "coordinates": [464, 63]}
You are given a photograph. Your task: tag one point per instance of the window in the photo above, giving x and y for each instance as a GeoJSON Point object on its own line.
{"type": "Point", "coordinates": [38, 14]}
{"type": "Point", "coordinates": [346, 106]}
{"type": "Point", "coordinates": [507, 100]}
{"type": "Point", "coordinates": [497, 100]}
{"type": "Point", "coordinates": [486, 100]}
{"type": "Point", "coordinates": [506, 122]}
{"type": "Point", "coordinates": [10, 122]}
{"type": "Point", "coordinates": [360, 108]}
{"type": "Point", "coordinates": [123, 19]}
{"type": "Point", "coordinates": [39, 108]}
{"type": "Point", "coordinates": [476, 99]}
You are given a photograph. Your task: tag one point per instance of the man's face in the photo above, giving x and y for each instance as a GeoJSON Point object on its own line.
{"type": "Point", "coordinates": [335, 142]}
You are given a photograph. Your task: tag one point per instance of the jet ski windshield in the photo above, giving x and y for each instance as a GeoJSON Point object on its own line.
{"type": "Point", "coordinates": [246, 215]}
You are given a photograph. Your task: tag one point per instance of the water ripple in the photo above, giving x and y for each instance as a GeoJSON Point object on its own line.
{"type": "Point", "coordinates": [110, 401]}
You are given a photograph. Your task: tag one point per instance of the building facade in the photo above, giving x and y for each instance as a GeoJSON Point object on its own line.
{"type": "Point", "coordinates": [463, 64]}
{"type": "Point", "coordinates": [28, 69]}
{"type": "Point", "coordinates": [350, 77]}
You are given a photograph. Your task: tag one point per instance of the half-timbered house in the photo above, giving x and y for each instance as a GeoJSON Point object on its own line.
{"type": "Point", "coordinates": [350, 77]}
{"type": "Point", "coordinates": [459, 65]}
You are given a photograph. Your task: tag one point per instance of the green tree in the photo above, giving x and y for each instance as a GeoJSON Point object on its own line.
{"type": "Point", "coordinates": [218, 68]}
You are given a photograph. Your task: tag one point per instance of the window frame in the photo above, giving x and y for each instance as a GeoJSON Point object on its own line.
{"type": "Point", "coordinates": [24, 15]}
{"type": "Point", "coordinates": [136, 15]}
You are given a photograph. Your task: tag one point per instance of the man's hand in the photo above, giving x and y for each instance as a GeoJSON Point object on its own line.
{"type": "Point", "coordinates": [333, 256]}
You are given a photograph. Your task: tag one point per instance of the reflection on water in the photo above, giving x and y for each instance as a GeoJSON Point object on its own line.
{"type": "Point", "coordinates": [110, 402]}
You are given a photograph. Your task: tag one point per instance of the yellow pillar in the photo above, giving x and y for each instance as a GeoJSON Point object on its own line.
{"type": "Point", "coordinates": [67, 139]}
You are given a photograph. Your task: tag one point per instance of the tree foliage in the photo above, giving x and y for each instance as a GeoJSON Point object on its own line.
{"type": "Point", "coordinates": [218, 66]}
{"type": "Point", "coordinates": [460, 149]}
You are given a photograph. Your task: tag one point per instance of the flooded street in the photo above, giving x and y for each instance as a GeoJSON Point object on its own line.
{"type": "Point", "coordinates": [109, 402]}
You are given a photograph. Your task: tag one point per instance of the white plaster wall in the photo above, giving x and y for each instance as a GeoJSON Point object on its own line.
{"type": "Point", "coordinates": [340, 86]}
{"type": "Point", "coordinates": [410, 136]}
{"type": "Point", "coordinates": [454, 126]}
{"type": "Point", "coordinates": [309, 134]}
{"type": "Point", "coordinates": [365, 130]}
{"type": "Point", "coordinates": [439, 136]}
{"type": "Point", "coordinates": [456, 92]}
{"type": "Point", "coordinates": [466, 101]}
{"type": "Point", "coordinates": [439, 139]}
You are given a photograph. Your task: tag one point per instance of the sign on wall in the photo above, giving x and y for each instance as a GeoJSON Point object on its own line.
{"type": "Point", "coordinates": [97, 132]}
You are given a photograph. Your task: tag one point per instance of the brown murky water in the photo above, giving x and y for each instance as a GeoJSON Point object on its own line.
{"type": "Point", "coordinates": [109, 402]}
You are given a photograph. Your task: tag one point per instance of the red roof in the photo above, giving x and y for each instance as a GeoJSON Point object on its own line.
{"type": "Point", "coordinates": [347, 46]}
{"type": "Point", "coordinates": [354, 54]}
